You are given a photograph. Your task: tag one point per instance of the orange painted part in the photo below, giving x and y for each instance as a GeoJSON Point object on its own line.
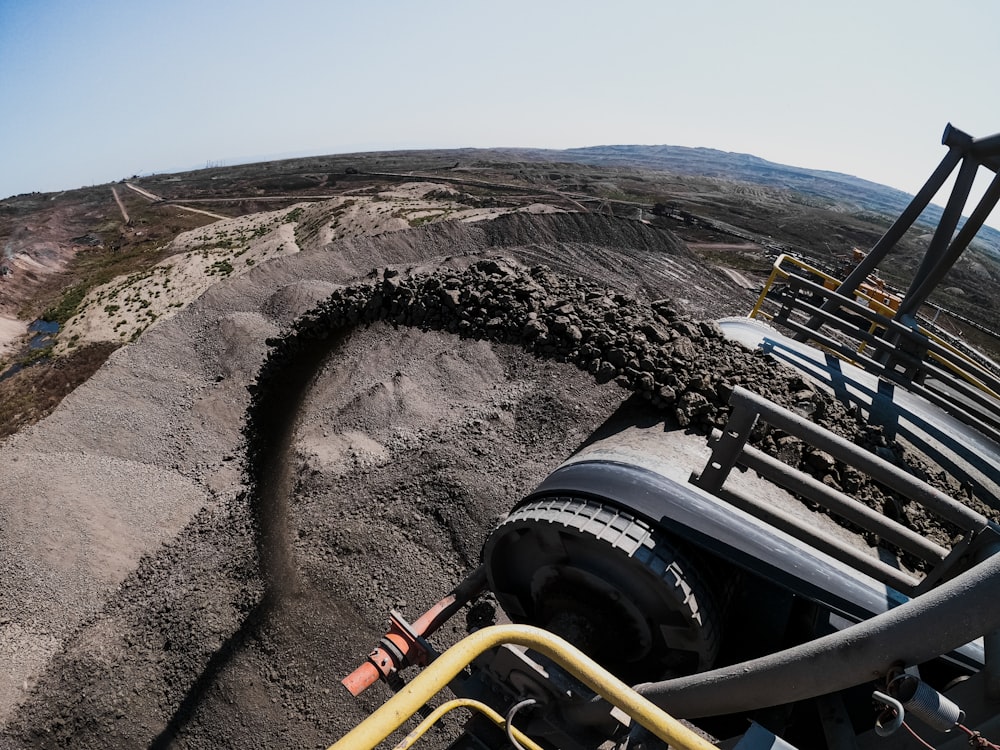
{"type": "Point", "coordinates": [428, 621]}
{"type": "Point", "coordinates": [381, 663]}
{"type": "Point", "coordinates": [877, 292]}
{"type": "Point", "coordinates": [407, 639]}
{"type": "Point", "coordinates": [361, 678]}
{"type": "Point", "coordinates": [403, 650]}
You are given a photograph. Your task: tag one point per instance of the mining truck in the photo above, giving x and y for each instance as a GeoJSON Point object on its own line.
{"type": "Point", "coordinates": [660, 589]}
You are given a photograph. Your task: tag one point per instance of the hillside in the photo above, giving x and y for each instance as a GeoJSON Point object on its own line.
{"type": "Point", "coordinates": [852, 193]}
{"type": "Point", "coordinates": [105, 262]}
{"type": "Point", "coordinates": [284, 398]}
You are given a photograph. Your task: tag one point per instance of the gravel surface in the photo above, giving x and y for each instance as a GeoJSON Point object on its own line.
{"type": "Point", "coordinates": [184, 565]}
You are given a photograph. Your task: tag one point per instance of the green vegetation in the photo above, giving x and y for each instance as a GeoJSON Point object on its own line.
{"type": "Point", "coordinates": [420, 220]}
{"type": "Point", "coordinates": [67, 305]}
{"type": "Point", "coordinates": [92, 270]}
{"type": "Point", "coordinates": [220, 268]}
{"type": "Point", "coordinates": [36, 355]}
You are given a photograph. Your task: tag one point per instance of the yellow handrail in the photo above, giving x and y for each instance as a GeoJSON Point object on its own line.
{"type": "Point", "coordinates": [410, 740]}
{"type": "Point", "coordinates": [778, 272]}
{"type": "Point", "coordinates": [880, 307]}
{"type": "Point", "coordinates": [391, 715]}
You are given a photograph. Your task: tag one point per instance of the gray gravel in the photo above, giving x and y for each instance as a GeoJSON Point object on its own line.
{"type": "Point", "coordinates": [379, 456]}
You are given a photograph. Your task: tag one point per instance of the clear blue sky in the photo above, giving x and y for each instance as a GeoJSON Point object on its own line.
{"type": "Point", "coordinates": [96, 90]}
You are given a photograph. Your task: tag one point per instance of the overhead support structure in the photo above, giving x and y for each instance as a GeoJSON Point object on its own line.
{"type": "Point", "coordinates": [945, 247]}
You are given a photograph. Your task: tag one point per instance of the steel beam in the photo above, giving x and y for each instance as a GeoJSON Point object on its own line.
{"type": "Point", "coordinates": [931, 266]}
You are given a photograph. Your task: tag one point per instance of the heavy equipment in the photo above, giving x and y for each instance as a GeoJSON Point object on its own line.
{"type": "Point", "coordinates": [664, 590]}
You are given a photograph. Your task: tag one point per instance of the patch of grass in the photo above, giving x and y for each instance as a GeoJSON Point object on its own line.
{"type": "Point", "coordinates": [67, 305]}
{"type": "Point", "coordinates": [36, 355]}
{"type": "Point", "coordinates": [93, 270]}
{"type": "Point", "coordinates": [421, 220]}
{"type": "Point", "coordinates": [220, 268]}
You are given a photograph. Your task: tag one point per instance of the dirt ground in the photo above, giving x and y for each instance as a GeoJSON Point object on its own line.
{"type": "Point", "coordinates": [132, 612]}
{"type": "Point", "coordinates": [136, 611]}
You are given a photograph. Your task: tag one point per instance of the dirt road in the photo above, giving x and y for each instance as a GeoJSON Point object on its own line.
{"type": "Point", "coordinates": [121, 206]}
{"type": "Point", "coordinates": [157, 199]}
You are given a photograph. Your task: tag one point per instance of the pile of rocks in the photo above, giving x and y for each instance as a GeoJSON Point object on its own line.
{"type": "Point", "coordinates": [654, 350]}
{"type": "Point", "coordinates": [683, 367]}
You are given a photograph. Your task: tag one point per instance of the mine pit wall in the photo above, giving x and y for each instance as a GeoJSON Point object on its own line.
{"type": "Point", "coordinates": [679, 365]}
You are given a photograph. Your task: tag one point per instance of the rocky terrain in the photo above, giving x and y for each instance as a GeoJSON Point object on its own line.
{"type": "Point", "coordinates": [200, 540]}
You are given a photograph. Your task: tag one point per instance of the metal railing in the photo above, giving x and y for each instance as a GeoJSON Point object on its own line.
{"type": "Point", "coordinates": [473, 705]}
{"type": "Point", "coordinates": [880, 301]}
{"type": "Point", "coordinates": [863, 330]}
{"type": "Point", "coordinates": [729, 447]}
{"type": "Point", "coordinates": [434, 678]}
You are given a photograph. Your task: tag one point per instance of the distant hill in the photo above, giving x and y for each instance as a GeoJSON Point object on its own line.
{"type": "Point", "coordinates": [853, 192]}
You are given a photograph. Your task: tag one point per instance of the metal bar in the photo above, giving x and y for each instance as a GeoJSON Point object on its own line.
{"type": "Point", "coordinates": [406, 644]}
{"type": "Point", "coordinates": [978, 387]}
{"type": "Point", "coordinates": [878, 346]}
{"type": "Point", "coordinates": [989, 429]}
{"type": "Point", "coordinates": [990, 410]}
{"type": "Point", "coordinates": [726, 449]}
{"type": "Point", "coordinates": [987, 145]}
{"type": "Point", "coordinates": [959, 361]}
{"type": "Point", "coordinates": [800, 283]}
{"type": "Point", "coordinates": [909, 215]}
{"type": "Point", "coordinates": [848, 353]}
{"type": "Point", "coordinates": [775, 272]}
{"type": "Point", "coordinates": [961, 241]}
{"type": "Point", "coordinates": [931, 264]}
{"type": "Point", "coordinates": [880, 470]}
{"type": "Point", "coordinates": [843, 505]}
{"type": "Point", "coordinates": [991, 639]}
{"type": "Point", "coordinates": [940, 621]}
{"type": "Point", "coordinates": [473, 705]}
{"type": "Point", "coordinates": [880, 571]}
{"type": "Point", "coordinates": [956, 138]}
{"type": "Point", "coordinates": [974, 390]}
{"type": "Point", "coordinates": [391, 715]}
{"type": "Point", "coordinates": [958, 144]}
{"type": "Point", "coordinates": [941, 571]}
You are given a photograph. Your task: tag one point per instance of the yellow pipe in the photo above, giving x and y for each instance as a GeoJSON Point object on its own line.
{"type": "Point", "coordinates": [435, 716]}
{"type": "Point", "coordinates": [391, 715]}
{"type": "Point", "coordinates": [775, 272]}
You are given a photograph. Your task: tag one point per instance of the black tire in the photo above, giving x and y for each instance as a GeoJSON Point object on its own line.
{"type": "Point", "coordinates": [610, 583]}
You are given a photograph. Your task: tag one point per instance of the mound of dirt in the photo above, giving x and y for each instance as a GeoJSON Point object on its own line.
{"type": "Point", "coordinates": [200, 602]}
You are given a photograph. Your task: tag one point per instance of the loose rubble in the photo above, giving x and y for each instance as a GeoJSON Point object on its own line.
{"type": "Point", "coordinates": [683, 367]}
{"type": "Point", "coordinates": [202, 645]}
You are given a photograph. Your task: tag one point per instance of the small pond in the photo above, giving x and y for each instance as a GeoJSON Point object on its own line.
{"type": "Point", "coordinates": [42, 335]}
{"type": "Point", "coordinates": [43, 332]}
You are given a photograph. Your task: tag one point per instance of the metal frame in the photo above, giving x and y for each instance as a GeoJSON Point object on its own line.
{"type": "Point", "coordinates": [404, 704]}
{"type": "Point", "coordinates": [943, 251]}
{"type": "Point", "coordinates": [911, 357]}
{"type": "Point", "coordinates": [729, 447]}
{"type": "Point", "coordinates": [473, 705]}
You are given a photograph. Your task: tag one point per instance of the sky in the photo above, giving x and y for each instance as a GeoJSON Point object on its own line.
{"type": "Point", "coordinates": [92, 91]}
